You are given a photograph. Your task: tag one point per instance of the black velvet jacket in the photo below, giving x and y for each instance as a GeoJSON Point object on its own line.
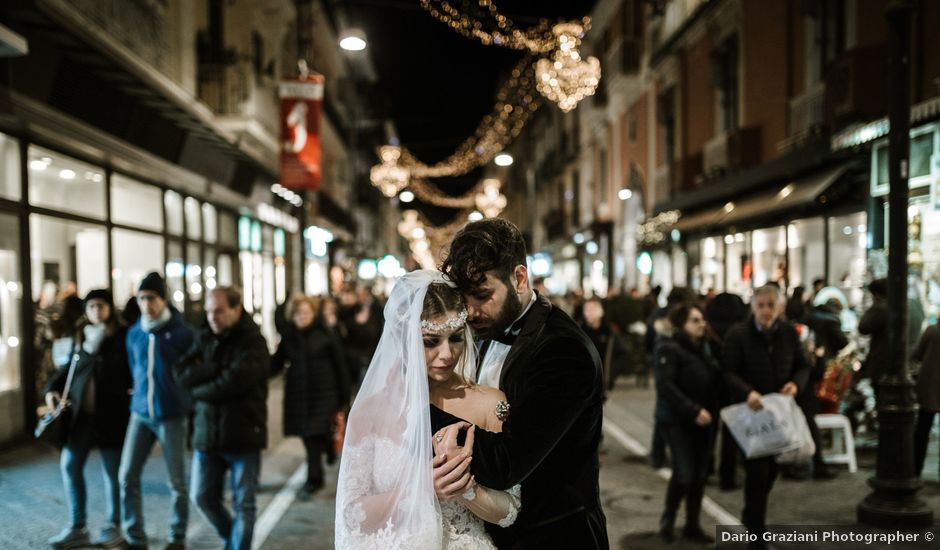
{"type": "Point", "coordinates": [552, 379]}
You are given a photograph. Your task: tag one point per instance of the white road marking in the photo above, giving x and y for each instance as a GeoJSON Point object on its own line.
{"type": "Point", "coordinates": [712, 508]}
{"type": "Point", "coordinates": [278, 506]}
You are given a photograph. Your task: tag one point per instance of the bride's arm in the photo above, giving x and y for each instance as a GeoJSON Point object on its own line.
{"type": "Point", "coordinates": [492, 506]}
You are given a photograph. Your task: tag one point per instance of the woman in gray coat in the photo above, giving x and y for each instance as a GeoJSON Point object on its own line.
{"type": "Point", "coordinates": [927, 353]}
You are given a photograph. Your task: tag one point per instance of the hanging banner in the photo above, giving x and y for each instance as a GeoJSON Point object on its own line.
{"type": "Point", "coordinates": [300, 132]}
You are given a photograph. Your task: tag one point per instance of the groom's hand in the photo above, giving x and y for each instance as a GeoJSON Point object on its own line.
{"type": "Point", "coordinates": [451, 466]}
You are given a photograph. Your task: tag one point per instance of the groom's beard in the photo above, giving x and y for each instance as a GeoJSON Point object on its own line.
{"type": "Point", "coordinates": [508, 314]}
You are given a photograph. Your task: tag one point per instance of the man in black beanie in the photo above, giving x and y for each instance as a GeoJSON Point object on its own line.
{"type": "Point", "coordinates": [159, 408]}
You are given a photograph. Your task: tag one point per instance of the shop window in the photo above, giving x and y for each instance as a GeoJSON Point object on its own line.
{"type": "Point", "coordinates": [173, 202]}
{"type": "Point", "coordinates": [11, 293]}
{"type": "Point", "coordinates": [921, 152]}
{"type": "Point", "coordinates": [63, 183]}
{"type": "Point", "coordinates": [224, 270]}
{"type": "Point", "coordinates": [848, 243]}
{"type": "Point", "coordinates": [174, 275]}
{"type": "Point", "coordinates": [193, 218]}
{"type": "Point", "coordinates": [228, 232]}
{"type": "Point", "coordinates": [739, 264]}
{"type": "Point", "coordinates": [770, 256]}
{"type": "Point", "coordinates": [135, 204]}
{"type": "Point", "coordinates": [210, 223]}
{"type": "Point", "coordinates": [10, 180]}
{"type": "Point", "coordinates": [210, 270]}
{"type": "Point", "coordinates": [67, 254]}
{"type": "Point", "coordinates": [194, 272]}
{"type": "Point", "coordinates": [713, 264]}
{"type": "Point", "coordinates": [807, 251]}
{"type": "Point", "coordinates": [134, 254]}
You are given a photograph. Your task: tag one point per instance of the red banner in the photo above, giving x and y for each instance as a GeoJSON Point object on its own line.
{"type": "Point", "coordinates": [300, 132]}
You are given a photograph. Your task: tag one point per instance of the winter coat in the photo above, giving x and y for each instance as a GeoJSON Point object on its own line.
{"type": "Point", "coordinates": [874, 323]}
{"type": "Point", "coordinates": [316, 381]}
{"type": "Point", "coordinates": [152, 356]}
{"type": "Point", "coordinates": [928, 380]}
{"type": "Point", "coordinates": [762, 361]}
{"type": "Point", "coordinates": [687, 380]}
{"type": "Point", "coordinates": [109, 370]}
{"type": "Point", "coordinates": [227, 376]}
{"type": "Point", "coordinates": [827, 326]}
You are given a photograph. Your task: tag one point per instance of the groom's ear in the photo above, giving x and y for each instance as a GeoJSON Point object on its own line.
{"type": "Point", "coordinates": [520, 279]}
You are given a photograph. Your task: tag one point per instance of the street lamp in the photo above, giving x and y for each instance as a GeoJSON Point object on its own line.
{"type": "Point", "coordinates": [503, 159]}
{"type": "Point", "coordinates": [352, 40]}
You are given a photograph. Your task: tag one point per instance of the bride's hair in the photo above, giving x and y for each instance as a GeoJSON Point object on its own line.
{"type": "Point", "coordinates": [442, 299]}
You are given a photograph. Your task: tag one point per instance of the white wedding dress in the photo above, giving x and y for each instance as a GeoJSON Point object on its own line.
{"type": "Point", "coordinates": [461, 530]}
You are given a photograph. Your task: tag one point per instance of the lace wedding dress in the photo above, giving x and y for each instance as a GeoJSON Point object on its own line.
{"type": "Point", "coordinates": [460, 529]}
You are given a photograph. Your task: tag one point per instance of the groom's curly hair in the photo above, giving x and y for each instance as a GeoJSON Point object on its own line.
{"type": "Point", "coordinates": [492, 244]}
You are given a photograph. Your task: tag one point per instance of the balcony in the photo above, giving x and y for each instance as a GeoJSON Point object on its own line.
{"type": "Point", "coordinates": [554, 222]}
{"type": "Point", "coordinates": [731, 152]}
{"type": "Point", "coordinates": [674, 18]}
{"type": "Point", "coordinates": [808, 111]}
{"type": "Point", "coordinates": [855, 86]}
{"type": "Point", "coordinates": [623, 57]}
{"type": "Point", "coordinates": [223, 87]}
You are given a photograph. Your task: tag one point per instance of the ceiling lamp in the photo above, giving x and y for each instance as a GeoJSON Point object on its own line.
{"type": "Point", "coordinates": [490, 201]}
{"type": "Point", "coordinates": [566, 78]}
{"type": "Point", "coordinates": [389, 177]}
{"type": "Point", "coordinates": [352, 40]}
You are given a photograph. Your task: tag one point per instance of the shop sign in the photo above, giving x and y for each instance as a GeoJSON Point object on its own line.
{"type": "Point", "coordinates": [301, 100]}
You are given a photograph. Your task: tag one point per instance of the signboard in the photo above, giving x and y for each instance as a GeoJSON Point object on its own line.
{"type": "Point", "coordinates": [300, 132]}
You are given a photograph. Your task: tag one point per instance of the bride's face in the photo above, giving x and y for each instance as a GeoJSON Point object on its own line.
{"type": "Point", "coordinates": [442, 350]}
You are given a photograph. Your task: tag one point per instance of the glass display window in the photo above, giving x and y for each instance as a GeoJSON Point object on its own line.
{"type": "Point", "coordinates": [10, 180]}
{"type": "Point", "coordinates": [69, 256]}
{"type": "Point", "coordinates": [11, 295]}
{"type": "Point", "coordinates": [65, 184]}
{"type": "Point", "coordinates": [173, 202]}
{"type": "Point", "coordinates": [135, 204]}
{"type": "Point", "coordinates": [134, 254]}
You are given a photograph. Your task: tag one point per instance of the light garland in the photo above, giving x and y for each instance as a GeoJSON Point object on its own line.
{"type": "Point", "coordinates": [566, 79]}
{"type": "Point", "coordinates": [428, 193]}
{"type": "Point", "coordinates": [536, 40]}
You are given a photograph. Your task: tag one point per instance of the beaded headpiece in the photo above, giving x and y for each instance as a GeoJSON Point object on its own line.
{"type": "Point", "coordinates": [453, 323]}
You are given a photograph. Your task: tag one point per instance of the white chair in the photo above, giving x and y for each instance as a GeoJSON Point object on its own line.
{"type": "Point", "coordinates": [842, 450]}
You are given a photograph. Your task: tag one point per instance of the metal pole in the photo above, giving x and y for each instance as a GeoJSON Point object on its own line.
{"type": "Point", "coordinates": [893, 502]}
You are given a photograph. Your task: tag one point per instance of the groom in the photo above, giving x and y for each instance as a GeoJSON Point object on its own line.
{"type": "Point", "coordinates": [551, 375]}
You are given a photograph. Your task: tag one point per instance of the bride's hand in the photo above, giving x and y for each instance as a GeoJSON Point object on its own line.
{"type": "Point", "coordinates": [445, 440]}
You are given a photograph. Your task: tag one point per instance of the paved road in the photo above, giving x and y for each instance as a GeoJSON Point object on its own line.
{"type": "Point", "coordinates": [33, 507]}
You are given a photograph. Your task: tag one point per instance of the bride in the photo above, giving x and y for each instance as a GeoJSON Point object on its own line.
{"type": "Point", "coordinates": [385, 497]}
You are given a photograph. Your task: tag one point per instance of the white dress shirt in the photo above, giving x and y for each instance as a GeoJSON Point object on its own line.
{"type": "Point", "coordinates": [496, 353]}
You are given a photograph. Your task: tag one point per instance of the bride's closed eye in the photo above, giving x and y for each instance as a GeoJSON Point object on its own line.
{"type": "Point", "coordinates": [433, 341]}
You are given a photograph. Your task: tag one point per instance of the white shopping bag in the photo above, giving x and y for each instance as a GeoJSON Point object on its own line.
{"type": "Point", "coordinates": [807, 447]}
{"type": "Point", "coordinates": [773, 430]}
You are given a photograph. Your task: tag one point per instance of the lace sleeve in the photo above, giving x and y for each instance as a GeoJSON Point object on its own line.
{"type": "Point", "coordinates": [358, 479]}
{"type": "Point", "coordinates": [514, 495]}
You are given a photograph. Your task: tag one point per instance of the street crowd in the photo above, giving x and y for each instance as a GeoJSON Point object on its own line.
{"type": "Point", "coordinates": [143, 375]}
{"type": "Point", "coordinates": [709, 351]}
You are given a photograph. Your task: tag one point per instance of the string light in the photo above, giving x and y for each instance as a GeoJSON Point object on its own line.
{"type": "Point", "coordinates": [654, 230]}
{"type": "Point", "coordinates": [566, 78]}
{"type": "Point", "coordinates": [537, 39]}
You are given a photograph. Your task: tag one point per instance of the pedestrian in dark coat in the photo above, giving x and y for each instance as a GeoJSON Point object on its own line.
{"type": "Point", "coordinates": [226, 371]}
{"type": "Point", "coordinates": [687, 377]}
{"type": "Point", "coordinates": [874, 323]}
{"type": "Point", "coordinates": [762, 355]}
{"type": "Point", "coordinates": [316, 383]}
{"type": "Point", "coordinates": [98, 415]}
{"type": "Point", "coordinates": [927, 353]}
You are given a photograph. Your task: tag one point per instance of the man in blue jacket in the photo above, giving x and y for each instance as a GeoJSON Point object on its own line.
{"type": "Point", "coordinates": [159, 408]}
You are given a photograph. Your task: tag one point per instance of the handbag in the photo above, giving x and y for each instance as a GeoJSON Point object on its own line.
{"type": "Point", "coordinates": [52, 426]}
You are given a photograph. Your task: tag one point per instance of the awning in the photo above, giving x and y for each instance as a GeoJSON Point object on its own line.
{"type": "Point", "coordinates": [780, 199]}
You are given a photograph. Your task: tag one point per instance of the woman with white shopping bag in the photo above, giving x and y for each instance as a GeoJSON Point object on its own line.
{"type": "Point", "coordinates": [762, 355]}
{"type": "Point", "coordinates": [687, 377]}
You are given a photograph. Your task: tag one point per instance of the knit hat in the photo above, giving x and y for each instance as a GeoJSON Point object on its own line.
{"type": "Point", "coordinates": [154, 283]}
{"type": "Point", "coordinates": [102, 294]}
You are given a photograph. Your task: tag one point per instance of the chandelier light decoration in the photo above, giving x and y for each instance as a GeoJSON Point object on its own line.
{"type": "Point", "coordinates": [390, 177]}
{"type": "Point", "coordinates": [654, 230]}
{"type": "Point", "coordinates": [490, 201]}
{"type": "Point", "coordinates": [566, 78]}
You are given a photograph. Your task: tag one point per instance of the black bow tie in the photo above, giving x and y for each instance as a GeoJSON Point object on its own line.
{"type": "Point", "coordinates": [509, 337]}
